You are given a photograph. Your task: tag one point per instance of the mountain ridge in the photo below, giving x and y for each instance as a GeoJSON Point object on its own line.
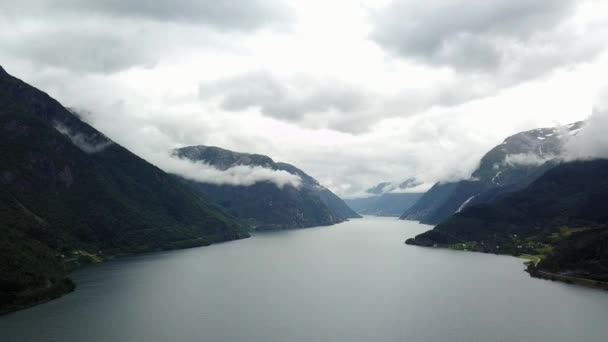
{"type": "Point", "coordinates": [387, 199]}
{"type": "Point", "coordinates": [265, 205]}
{"type": "Point", "coordinates": [70, 195]}
{"type": "Point", "coordinates": [510, 166]}
{"type": "Point", "coordinates": [561, 218]}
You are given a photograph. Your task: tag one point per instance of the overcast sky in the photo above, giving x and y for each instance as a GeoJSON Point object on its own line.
{"type": "Point", "coordinates": [352, 92]}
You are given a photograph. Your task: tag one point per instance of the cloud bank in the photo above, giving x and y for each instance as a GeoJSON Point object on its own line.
{"type": "Point", "coordinates": [353, 92]}
{"type": "Point", "coordinates": [481, 35]}
{"type": "Point", "coordinates": [528, 159]}
{"type": "Point", "coordinates": [109, 36]}
{"type": "Point", "coordinates": [585, 143]}
{"type": "Point", "coordinates": [240, 175]}
{"type": "Point", "coordinates": [244, 15]}
{"type": "Point", "coordinates": [591, 142]}
{"type": "Point", "coordinates": [88, 144]}
{"type": "Point", "coordinates": [292, 99]}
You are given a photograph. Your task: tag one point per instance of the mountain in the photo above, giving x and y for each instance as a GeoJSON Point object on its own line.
{"type": "Point", "coordinates": [508, 167]}
{"type": "Point", "coordinates": [264, 204]}
{"type": "Point", "coordinates": [389, 204]}
{"type": "Point", "coordinates": [382, 201]}
{"type": "Point", "coordinates": [561, 219]}
{"type": "Point", "coordinates": [68, 195]}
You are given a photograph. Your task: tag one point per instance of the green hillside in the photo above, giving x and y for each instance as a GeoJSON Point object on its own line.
{"type": "Point", "coordinates": [68, 194]}
{"type": "Point", "coordinates": [562, 218]}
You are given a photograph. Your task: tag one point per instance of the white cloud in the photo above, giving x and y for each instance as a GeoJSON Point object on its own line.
{"type": "Point", "coordinates": [88, 144]}
{"type": "Point", "coordinates": [416, 189]}
{"type": "Point", "coordinates": [320, 95]}
{"type": "Point", "coordinates": [297, 99]}
{"type": "Point", "coordinates": [240, 175]}
{"type": "Point", "coordinates": [497, 36]}
{"type": "Point", "coordinates": [528, 159]}
{"type": "Point", "coordinates": [591, 141]}
{"type": "Point", "coordinates": [244, 15]}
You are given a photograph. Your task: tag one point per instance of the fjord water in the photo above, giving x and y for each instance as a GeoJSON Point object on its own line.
{"type": "Point", "coordinates": [355, 281]}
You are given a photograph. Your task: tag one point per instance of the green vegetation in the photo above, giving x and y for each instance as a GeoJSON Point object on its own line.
{"type": "Point", "coordinates": [62, 205]}
{"type": "Point", "coordinates": [494, 178]}
{"type": "Point", "coordinates": [582, 254]}
{"type": "Point", "coordinates": [562, 218]}
{"type": "Point", "coordinates": [263, 205]}
{"type": "Point", "coordinates": [30, 271]}
{"type": "Point", "coordinates": [532, 259]}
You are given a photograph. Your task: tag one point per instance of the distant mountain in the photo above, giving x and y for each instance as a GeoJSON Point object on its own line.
{"type": "Point", "coordinates": [69, 194]}
{"type": "Point", "coordinates": [508, 167]}
{"type": "Point", "coordinates": [381, 201]}
{"type": "Point", "coordinates": [389, 204]}
{"type": "Point", "coordinates": [560, 218]}
{"type": "Point", "coordinates": [266, 205]}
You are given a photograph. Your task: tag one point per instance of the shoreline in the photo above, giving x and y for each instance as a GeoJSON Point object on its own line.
{"type": "Point", "coordinates": [534, 273]}
{"type": "Point", "coordinates": [68, 286]}
{"type": "Point", "coordinates": [589, 283]}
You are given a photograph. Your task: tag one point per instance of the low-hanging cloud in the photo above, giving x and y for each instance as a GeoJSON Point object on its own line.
{"type": "Point", "coordinates": [239, 175]}
{"type": "Point", "coordinates": [528, 159]}
{"type": "Point", "coordinates": [591, 142]}
{"type": "Point", "coordinates": [87, 144]}
{"type": "Point", "coordinates": [586, 142]}
{"type": "Point", "coordinates": [414, 189]}
{"type": "Point", "coordinates": [410, 185]}
{"type": "Point", "coordinates": [404, 116]}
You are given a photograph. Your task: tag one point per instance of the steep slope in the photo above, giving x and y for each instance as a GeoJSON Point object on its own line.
{"type": "Point", "coordinates": [562, 218]}
{"type": "Point", "coordinates": [508, 167]}
{"type": "Point", "coordinates": [336, 205]}
{"type": "Point", "coordinates": [442, 200]}
{"type": "Point", "coordinates": [264, 204]}
{"type": "Point", "coordinates": [68, 193]}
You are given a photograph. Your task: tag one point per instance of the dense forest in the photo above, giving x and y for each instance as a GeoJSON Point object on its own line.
{"type": "Point", "coordinates": [70, 195]}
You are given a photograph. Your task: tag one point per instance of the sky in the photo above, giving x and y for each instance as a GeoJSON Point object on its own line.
{"type": "Point", "coordinates": [353, 92]}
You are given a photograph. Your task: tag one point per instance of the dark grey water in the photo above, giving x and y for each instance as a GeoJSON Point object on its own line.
{"type": "Point", "coordinates": [356, 281]}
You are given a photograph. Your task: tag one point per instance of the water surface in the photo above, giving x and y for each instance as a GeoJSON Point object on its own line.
{"type": "Point", "coordinates": [355, 281]}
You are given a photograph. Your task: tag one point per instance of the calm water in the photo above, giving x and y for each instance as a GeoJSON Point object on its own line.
{"type": "Point", "coordinates": [356, 281]}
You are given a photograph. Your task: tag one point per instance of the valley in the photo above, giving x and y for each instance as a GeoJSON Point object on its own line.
{"type": "Point", "coordinates": [303, 171]}
{"type": "Point", "coordinates": [352, 281]}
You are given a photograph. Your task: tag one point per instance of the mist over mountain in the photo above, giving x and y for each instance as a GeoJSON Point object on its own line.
{"type": "Point", "coordinates": [322, 162]}
{"type": "Point", "coordinates": [590, 142]}
{"type": "Point", "coordinates": [548, 203]}
{"type": "Point", "coordinates": [226, 172]}
{"type": "Point", "coordinates": [508, 167]}
{"type": "Point", "coordinates": [264, 204]}
{"type": "Point", "coordinates": [561, 218]}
